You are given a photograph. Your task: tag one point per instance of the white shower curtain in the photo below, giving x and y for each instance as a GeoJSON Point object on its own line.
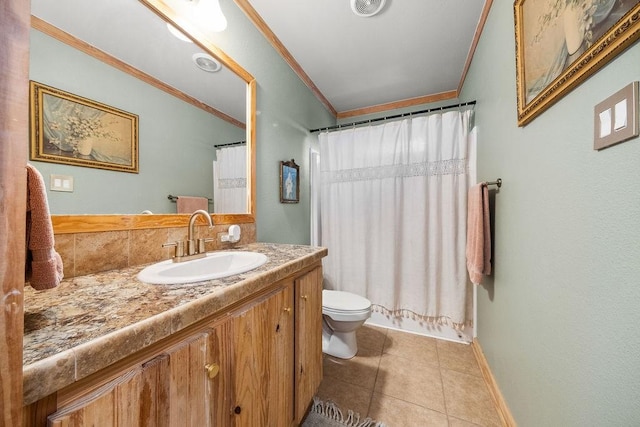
{"type": "Point", "coordinates": [230, 180]}
{"type": "Point", "coordinates": [393, 215]}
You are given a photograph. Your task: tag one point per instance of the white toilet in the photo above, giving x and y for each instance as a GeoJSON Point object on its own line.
{"type": "Point", "coordinates": [343, 313]}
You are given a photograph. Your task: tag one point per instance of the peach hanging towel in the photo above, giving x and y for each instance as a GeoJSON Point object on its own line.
{"type": "Point", "coordinates": [43, 269]}
{"type": "Point", "coordinates": [478, 251]}
{"type": "Point", "coordinates": [188, 204]}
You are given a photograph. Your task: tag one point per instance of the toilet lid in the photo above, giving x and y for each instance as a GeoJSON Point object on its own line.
{"type": "Point", "coordinates": [344, 301]}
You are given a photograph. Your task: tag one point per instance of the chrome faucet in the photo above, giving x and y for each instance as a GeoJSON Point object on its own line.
{"type": "Point", "coordinates": [195, 249]}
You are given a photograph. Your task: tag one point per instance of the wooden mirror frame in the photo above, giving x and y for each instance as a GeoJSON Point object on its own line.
{"type": "Point", "coordinates": [65, 224]}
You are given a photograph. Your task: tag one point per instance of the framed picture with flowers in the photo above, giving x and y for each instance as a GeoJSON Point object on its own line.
{"type": "Point", "coordinates": [70, 129]}
{"type": "Point", "coordinates": [560, 43]}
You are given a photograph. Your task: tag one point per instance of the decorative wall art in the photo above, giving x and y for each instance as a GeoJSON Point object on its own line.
{"type": "Point", "coordinates": [69, 129]}
{"type": "Point", "coordinates": [560, 43]}
{"type": "Point", "coordinates": [289, 182]}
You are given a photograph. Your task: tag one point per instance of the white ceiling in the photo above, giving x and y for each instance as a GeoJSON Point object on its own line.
{"type": "Point", "coordinates": [411, 48]}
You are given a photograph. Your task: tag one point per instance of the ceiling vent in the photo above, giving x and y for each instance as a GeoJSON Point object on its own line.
{"type": "Point", "coordinates": [206, 62]}
{"type": "Point", "coordinates": [367, 8]}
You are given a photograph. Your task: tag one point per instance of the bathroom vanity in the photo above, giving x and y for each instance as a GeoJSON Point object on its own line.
{"type": "Point", "coordinates": [245, 350]}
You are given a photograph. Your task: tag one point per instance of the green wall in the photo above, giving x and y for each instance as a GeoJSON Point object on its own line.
{"type": "Point", "coordinates": [558, 319]}
{"type": "Point", "coordinates": [175, 138]}
{"type": "Point", "coordinates": [287, 109]}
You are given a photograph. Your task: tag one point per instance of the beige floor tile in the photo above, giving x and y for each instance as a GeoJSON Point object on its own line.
{"type": "Point", "coordinates": [414, 382]}
{"type": "Point", "coordinates": [346, 396]}
{"type": "Point", "coordinates": [371, 338]}
{"type": "Point", "coordinates": [468, 399]}
{"type": "Point", "coordinates": [457, 357]}
{"type": "Point", "coordinates": [398, 413]}
{"type": "Point", "coordinates": [405, 380]}
{"type": "Point", "coordinates": [411, 346]}
{"type": "Point", "coordinates": [456, 422]}
{"type": "Point", "coordinates": [360, 370]}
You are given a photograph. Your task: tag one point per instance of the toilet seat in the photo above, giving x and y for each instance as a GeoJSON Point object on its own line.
{"type": "Point", "coordinates": [345, 306]}
{"type": "Point", "coordinates": [347, 316]}
{"type": "Point", "coordinates": [339, 301]}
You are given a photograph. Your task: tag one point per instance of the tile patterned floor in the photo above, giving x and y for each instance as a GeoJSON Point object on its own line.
{"type": "Point", "coordinates": [407, 380]}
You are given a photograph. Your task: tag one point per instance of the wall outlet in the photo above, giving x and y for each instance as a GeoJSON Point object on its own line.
{"type": "Point", "coordinates": [61, 183]}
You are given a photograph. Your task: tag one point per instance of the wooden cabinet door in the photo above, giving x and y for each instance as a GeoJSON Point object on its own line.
{"type": "Point", "coordinates": [280, 382]}
{"type": "Point", "coordinates": [189, 384]}
{"type": "Point", "coordinates": [143, 401]}
{"type": "Point", "coordinates": [308, 339]}
{"type": "Point", "coordinates": [262, 361]}
{"type": "Point", "coordinates": [173, 389]}
{"type": "Point", "coordinates": [136, 398]}
{"type": "Point", "coordinates": [220, 383]}
{"type": "Point", "coordinates": [96, 412]}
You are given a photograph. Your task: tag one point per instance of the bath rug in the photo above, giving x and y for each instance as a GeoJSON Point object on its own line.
{"type": "Point", "coordinates": [327, 414]}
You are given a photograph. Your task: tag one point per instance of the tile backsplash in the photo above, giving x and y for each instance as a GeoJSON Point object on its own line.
{"type": "Point", "coordinates": [86, 253]}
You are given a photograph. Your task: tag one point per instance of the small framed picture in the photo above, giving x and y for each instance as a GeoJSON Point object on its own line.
{"type": "Point", "coordinates": [289, 182]}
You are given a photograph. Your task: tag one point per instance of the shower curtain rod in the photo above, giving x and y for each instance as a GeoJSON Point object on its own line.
{"type": "Point", "coordinates": [397, 116]}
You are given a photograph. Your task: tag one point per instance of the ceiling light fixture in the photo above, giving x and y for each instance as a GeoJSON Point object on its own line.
{"type": "Point", "coordinates": [206, 62]}
{"type": "Point", "coordinates": [211, 16]}
{"type": "Point", "coordinates": [177, 33]}
{"type": "Point", "coordinates": [206, 14]}
{"type": "Point", "coordinates": [367, 8]}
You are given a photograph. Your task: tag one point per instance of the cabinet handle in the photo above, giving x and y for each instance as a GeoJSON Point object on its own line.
{"type": "Point", "coordinates": [212, 369]}
{"type": "Point", "coordinates": [304, 297]}
{"type": "Point", "coordinates": [287, 310]}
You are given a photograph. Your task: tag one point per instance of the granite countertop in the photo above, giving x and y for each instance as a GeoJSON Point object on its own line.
{"type": "Point", "coordinates": [90, 322]}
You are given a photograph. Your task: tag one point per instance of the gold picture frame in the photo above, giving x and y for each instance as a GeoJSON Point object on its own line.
{"type": "Point", "coordinates": [72, 130]}
{"type": "Point", "coordinates": [289, 182]}
{"type": "Point", "coordinates": [560, 43]}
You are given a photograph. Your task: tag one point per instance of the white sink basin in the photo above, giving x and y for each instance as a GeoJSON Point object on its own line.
{"type": "Point", "coordinates": [214, 266]}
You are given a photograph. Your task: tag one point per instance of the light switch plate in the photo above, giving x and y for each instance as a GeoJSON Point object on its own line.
{"type": "Point", "coordinates": [61, 183]}
{"type": "Point", "coordinates": [616, 118]}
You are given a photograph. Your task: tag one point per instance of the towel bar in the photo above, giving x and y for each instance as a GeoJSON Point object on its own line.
{"type": "Point", "coordinates": [174, 198]}
{"type": "Point", "coordinates": [497, 182]}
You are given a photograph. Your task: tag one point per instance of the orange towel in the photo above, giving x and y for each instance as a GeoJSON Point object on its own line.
{"type": "Point", "coordinates": [189, 205]}
{"type": "Point", "coordinates": [478, 233]}
{"type": "Point", "coordinates": [43, 268]}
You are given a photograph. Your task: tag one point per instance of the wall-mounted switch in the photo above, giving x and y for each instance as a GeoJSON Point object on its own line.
{"type": "Point", "coordinates": [616, 118]}
{"type": "Point", "coordinates": [61, 183]}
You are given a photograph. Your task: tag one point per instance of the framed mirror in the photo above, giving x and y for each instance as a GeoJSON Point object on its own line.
{"type": "Point", "coordinates": [204, 117]}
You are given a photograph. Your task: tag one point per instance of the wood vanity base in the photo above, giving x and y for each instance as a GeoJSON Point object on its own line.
{"type": "Point", "coordinates": [258, 362]}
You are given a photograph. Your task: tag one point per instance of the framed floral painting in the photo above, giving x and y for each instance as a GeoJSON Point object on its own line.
{"type": "Point", "coordinates": [560, 43]}
{"type": "Point", "coordinates": [72, 130]}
